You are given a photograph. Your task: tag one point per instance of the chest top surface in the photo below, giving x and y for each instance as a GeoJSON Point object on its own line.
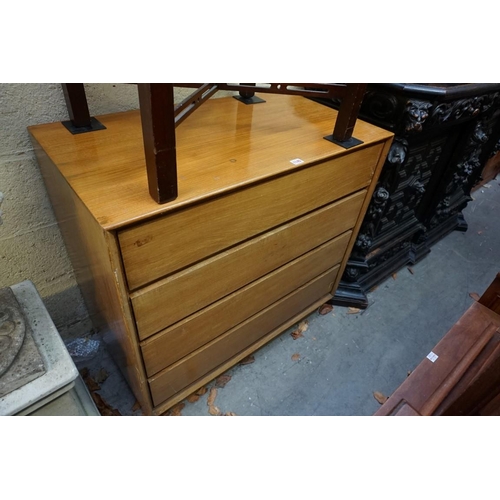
{"type": "Point", "coordinates": [223, 146]}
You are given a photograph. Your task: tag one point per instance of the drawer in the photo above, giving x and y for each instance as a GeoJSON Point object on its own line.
{"type": "Point", "coordinates": [191, 368]}
{"type": "Point", "coordinates": [197, 330]}
{"type": "Point", "coordinates": [160, 305]}
{"type": "Point", "coordinates": [159, 247]}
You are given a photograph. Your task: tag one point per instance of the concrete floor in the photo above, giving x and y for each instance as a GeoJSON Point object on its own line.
{"type": "Point", "coordinates": [343, 358]}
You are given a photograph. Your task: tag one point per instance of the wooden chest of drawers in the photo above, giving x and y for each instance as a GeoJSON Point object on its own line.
{"type": "Point", "coordinates": [254, 242]}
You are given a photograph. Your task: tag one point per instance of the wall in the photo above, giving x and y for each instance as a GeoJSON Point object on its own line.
{"type": "Point", "coordinates": [31, 246]}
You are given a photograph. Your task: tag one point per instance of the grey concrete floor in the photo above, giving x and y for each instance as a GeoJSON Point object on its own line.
{"type": "Point", "coordinates": [343, 358]}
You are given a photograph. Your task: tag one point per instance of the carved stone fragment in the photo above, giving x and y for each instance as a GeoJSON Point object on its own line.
{"type": "Point", "coordinates": [12, 329]}
{"type": "Point", "coordinates": [20, 359]}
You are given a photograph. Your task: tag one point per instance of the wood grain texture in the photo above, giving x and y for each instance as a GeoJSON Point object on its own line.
{"type": "Point", "coordinates": [491, 297]}
{"type": "Point", "coordinates": [492, 409]}
{"type": "Point", "coordinates": [162, 246]}
{"type": "Point", "coordinates": [94, 256]}
{"type": "Point", "coordinates": [430, 383]}
{"type": "Point", "coordinates": [224, 146]}
{"type": "Point", "coordinates": [170, 300]}
{"type": "Point", "coordinates": [198, 329]}
{"type": "Point", "coordinates": [478, 386]}
{"type": "Point", "coordinates": [197, 364]}
{"type": "Point", "coordinates": [405, 410]}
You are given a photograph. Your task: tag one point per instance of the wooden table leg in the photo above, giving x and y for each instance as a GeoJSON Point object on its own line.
{"type": "Point", "coordinates": [348, 114]}
{"type": "Point", "coordinates": [158, 126]}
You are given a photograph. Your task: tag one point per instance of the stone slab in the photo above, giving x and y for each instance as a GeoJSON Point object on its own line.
{"type": "Point", "coordinates": [60, 370]}
{"type": "Point", "coordinates": [76, 402]}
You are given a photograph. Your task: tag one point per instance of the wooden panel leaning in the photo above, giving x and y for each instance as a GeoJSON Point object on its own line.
{"type": "Point", "coordinates": [491, 297]}
{"type": "Point", "coordinates": [462, 374]}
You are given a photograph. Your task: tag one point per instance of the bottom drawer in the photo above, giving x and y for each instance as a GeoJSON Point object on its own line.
{"type": "Point", "coordinates": [185, 372]}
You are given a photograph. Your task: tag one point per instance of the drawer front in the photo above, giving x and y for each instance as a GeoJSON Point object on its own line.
{"type": "Point", "coordinates": [196, 365]}
{"type": "Point", "coordinates": [162, 304]}
{"type": "Point", "coordinates": [162, 246]}
{"type": "Point", "coordinates": [197, 330]}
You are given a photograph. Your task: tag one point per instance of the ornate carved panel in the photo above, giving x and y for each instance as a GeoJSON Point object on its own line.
{"type": "Point", "coordinates": [444, 136]}
{"type": "Point", "coordinates": [464, 172]}
{"type": "Point", "coordinates": [399, 192]}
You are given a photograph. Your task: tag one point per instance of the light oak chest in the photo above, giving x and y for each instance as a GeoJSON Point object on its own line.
{"type": "Point", "coordinates": [266, 217]}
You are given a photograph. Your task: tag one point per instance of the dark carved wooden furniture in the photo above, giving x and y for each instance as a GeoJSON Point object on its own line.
{"type": "Point", "coordinates": [461, 375]}
{"type": "Point", "coordinates": [444, 136]}
{"type": "Point", "coordinates": [160, 116]}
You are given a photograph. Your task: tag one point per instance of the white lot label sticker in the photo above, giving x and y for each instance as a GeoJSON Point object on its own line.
{"type": "Point", "coordinates": [297, 161]}
{"type": "Point", "coordinates": [432, 356]}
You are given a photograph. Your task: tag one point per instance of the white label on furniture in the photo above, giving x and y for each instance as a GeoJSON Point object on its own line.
{"type": "Point", "coordinates": [432, 356]}
{"type": "Point", "coordinates": [297, 161]}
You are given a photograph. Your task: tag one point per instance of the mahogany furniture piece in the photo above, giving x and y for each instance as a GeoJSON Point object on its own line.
{"type": "Point", "coordinates": [160, 116]}
{"type": "Point", "coordinates": [461, 375]}
{"type": "Point", "coordinates": [444, 136]}
{"type": "Point", "coordinates": [266, 215]}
